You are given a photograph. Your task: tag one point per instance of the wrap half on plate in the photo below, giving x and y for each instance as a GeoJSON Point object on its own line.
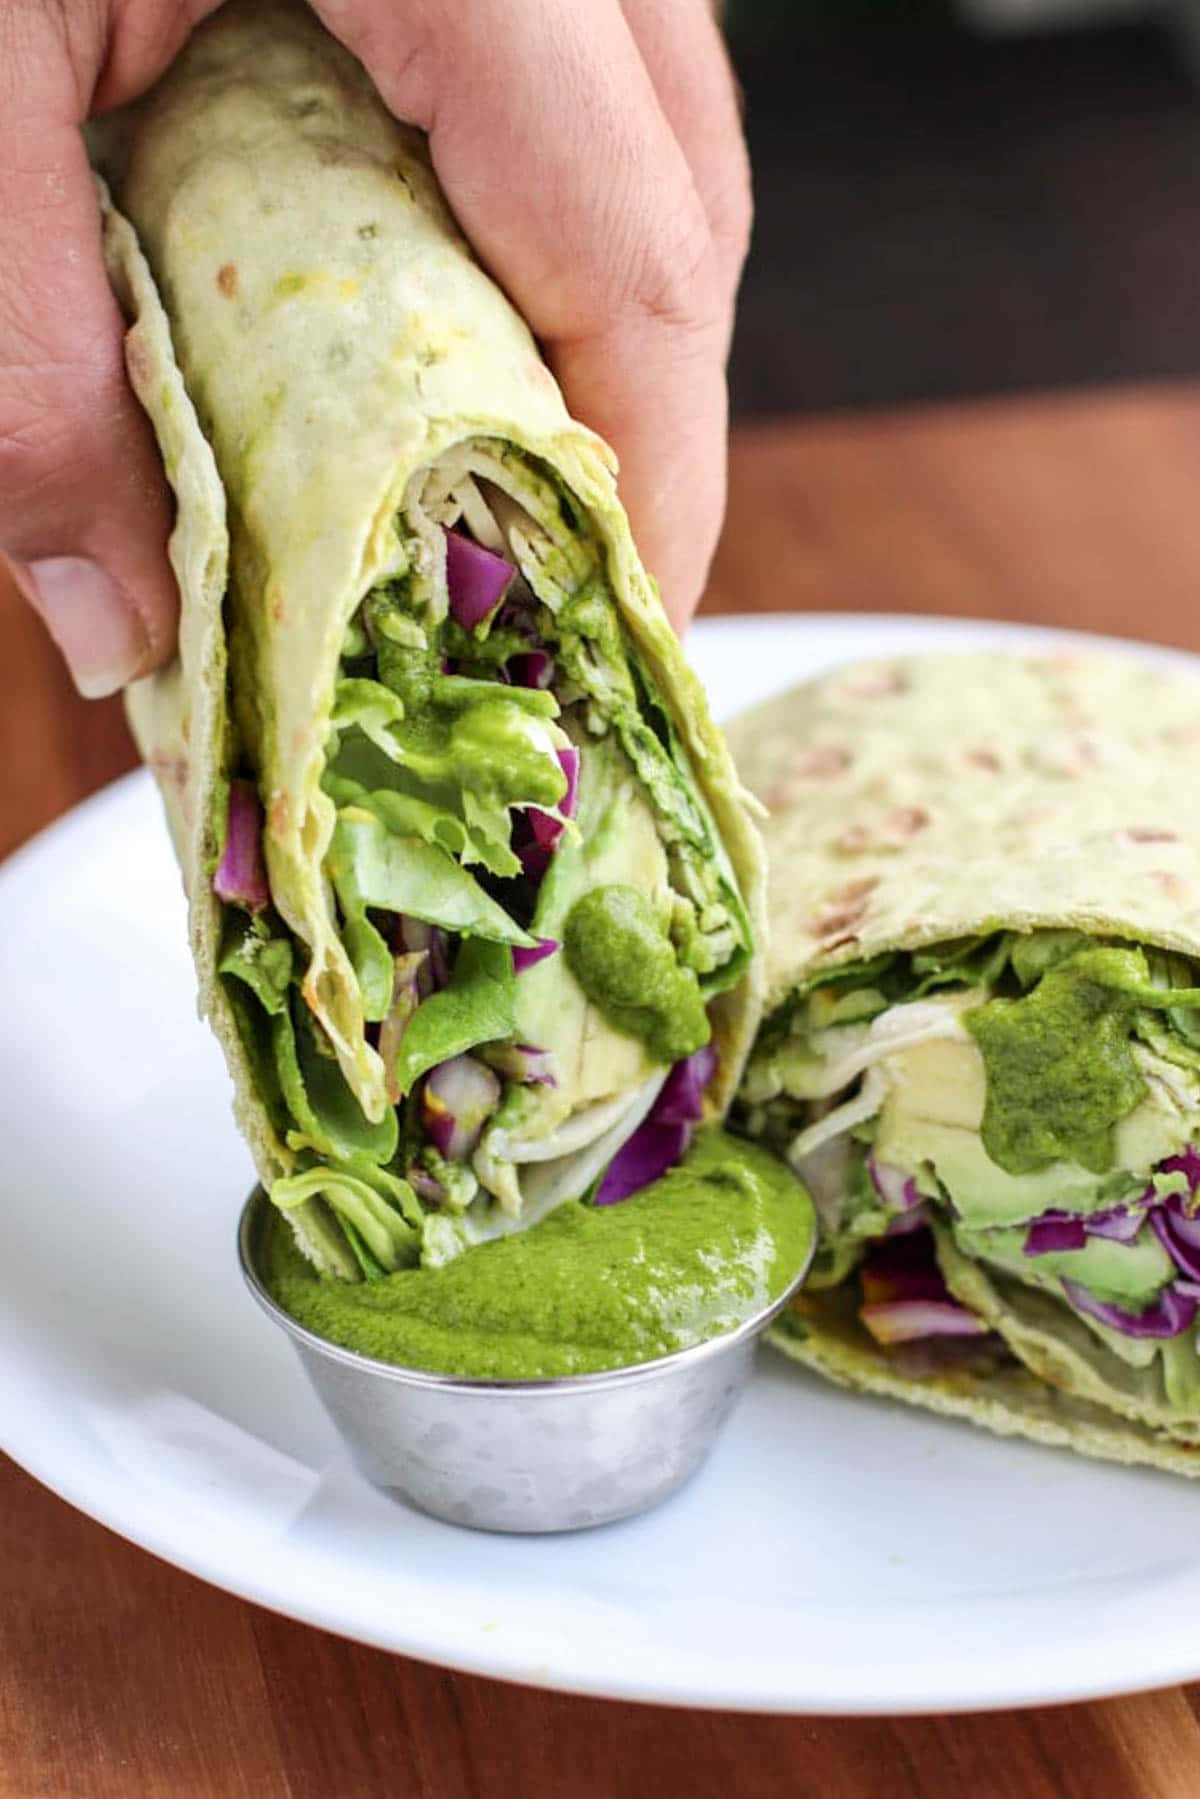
{"type": "Point", "coordinates": [473, 891]}
{"type": "Point", "coordinates": [982, 1041]}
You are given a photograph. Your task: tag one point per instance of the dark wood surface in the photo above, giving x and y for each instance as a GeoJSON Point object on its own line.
{"type": "Point", "coordinates": [942, 213]}
{"type": "Point", "coordinates": [121, 1678]}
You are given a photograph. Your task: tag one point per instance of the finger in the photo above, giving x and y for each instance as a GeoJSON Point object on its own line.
{"type": "Point", "coordinates": [84, 513]}
{"type": "Point", "coordinates": [565, 174]}
{"type": "Point", "coordinates": [684, 52]}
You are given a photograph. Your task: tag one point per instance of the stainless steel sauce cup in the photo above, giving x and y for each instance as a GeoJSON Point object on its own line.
{"type": "Point", "coordinates": [524, 1455]}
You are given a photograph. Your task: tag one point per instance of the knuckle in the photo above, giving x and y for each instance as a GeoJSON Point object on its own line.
{"type": "Point", "coordinates": [674, 278]}
{"type": "Point", "coordinates": [733, 215]}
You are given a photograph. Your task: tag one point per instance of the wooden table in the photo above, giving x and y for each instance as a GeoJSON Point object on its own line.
{"type": "Point", "coordinates": [121, 1677]}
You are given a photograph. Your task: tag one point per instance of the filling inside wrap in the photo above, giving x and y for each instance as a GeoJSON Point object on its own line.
{"type": "Point", "coordinates": [999, 1135]}
{"type": "Point", "coordinates": [521, 910]}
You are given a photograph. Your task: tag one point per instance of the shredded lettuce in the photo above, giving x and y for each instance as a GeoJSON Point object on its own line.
{"type": "Point", "coordinates": [477, 1007]}
{"type": "Point", "coordinates": [375, 1222]}
{"type": "Point", "coordinates": [442, 767]}
{"type": "Point", "coordinates": [370, 867]}
{"type": "Point", "coordinates": [327, 1116]}
{"type": "Point", "coordinates": [262, 962]}
{"type": "Point", "coordinates": [1060, 1158]}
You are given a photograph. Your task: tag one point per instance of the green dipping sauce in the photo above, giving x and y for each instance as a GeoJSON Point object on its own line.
{"type": "Point", "coordinates": [690, 1257]}
{"type": "Point", "coordinates": [626, 965]}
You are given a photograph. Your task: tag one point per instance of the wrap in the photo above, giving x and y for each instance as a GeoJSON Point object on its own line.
{"type": "Point", "coordinates": [473, 891]}
{"type": "Point", "coordinates": [981, 1048]}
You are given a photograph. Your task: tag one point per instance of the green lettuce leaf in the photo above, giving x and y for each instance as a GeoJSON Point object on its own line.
{"type": "Point", "coordinates": [977, 961]}
{"type": "Point", "coordinates": [478, 1006]}
{"type": "Point", "coordinates": [368, 1220]}
{"type": "Point", "coordinates": [328, 1117]}
{"type": "Point", "coordinates": [1034, 955]}
{"type": "Point", "coordinates": [447, 762]}
{"type": "Point", "coordinates": [373, 965]}
{"type": "Point", "coordinates": [261, 962]}
{"type": "Point", "coordinates": [370, 867]}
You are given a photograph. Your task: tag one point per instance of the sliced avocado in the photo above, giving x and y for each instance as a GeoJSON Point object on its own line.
{"type": "Point", "coordinates": [1057, 1343]}
{"type": "Point", "coordinates": [1130, 1275]}
{"type": "Point", "coordinates": [941, 1080]}
{"type": "Point", "coordinates": [931, 1118]}
{"type": "Point", "coordinates": [618, 842]}
{"type": "Point", "coordinates": [983, 1194]}
{"type": "Point", "coordinates": [1181, 1373]}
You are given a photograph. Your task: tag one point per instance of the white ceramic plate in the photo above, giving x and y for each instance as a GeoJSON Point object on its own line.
{"type": "Point", "coordinates": [836, 1555]}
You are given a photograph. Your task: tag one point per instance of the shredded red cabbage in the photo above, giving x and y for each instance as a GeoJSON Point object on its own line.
{"type": "Point", "coordinates": [521, 1062]}
{"type": "Point", "coordinates": [523, 958]}
{"type": "Point", "coordinates": [905, 1297]}
{"type": "Point", "coordinates": [1054, 1232]}
{"type": "Point", "coordinates": [892, 1185]}
{"type": "Point", "coordinates": [1118, 1224]}
{"type": "Point", "coordinates": [426, 1186]}
{"type": "Point", "coordinates": [414, 935]}
{"type": "Point", "coordinates": [682, 1098]}
{"type": "Point", "coordinates": [534, 859]}
{"type": "Point", "coordinates": [1179, 1236]}
{"type": "Point", "coordinates": [650, 1153]}
{"type": "Point", "coordinates": [477, 579]}
{"type": "Point", "coordinates": [906, 1320]}
{"type": "Point", "coordinates": [904, 1268]}
{"type": "Point", "coordinates": [1171, 1313]}
{"type": "Point", "coordinates": [241, 877]}
{"type": "Point", "coordinates": [656, 1146]}
{"type": "Point", "coordinates": [1186, 1164]}
{"type": "Point", "coordinates": [546, 828]}
{"type": "Point", "coordinates": [534, 669]}
{"type": "Point", "coordinates": [905, 1223]}
{"type": "Point", "coordinates": [457, 1099]}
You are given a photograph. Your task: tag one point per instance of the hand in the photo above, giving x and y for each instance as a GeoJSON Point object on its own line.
{"type": "Point", "coordinates": [593, 156]}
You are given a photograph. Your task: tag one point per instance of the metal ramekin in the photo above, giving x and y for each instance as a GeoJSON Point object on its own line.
{"type": "Point", "coordinates": [524, 1455]}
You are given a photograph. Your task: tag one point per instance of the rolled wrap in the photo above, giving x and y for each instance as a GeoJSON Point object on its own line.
{"type": "Point", "coordinates": [945, 832]}
{"type": "Point", "coordinates": [320, 355]}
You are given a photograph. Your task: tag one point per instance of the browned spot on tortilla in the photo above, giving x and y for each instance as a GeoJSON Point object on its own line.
{"type": "Point", "coordinates": [1067, 757]}
{"type": "Point", "coordinates": [891, 832]}
{"type": "Point", "coordinates": [858, 837]}
{"type": "Point", "coordinates": [877, 684]}
{"type": "Point", "coordinates": [171, 771]}
{"type": "Point", "coordinates": [1173, 885]}
{"type": "Point", "coordinates": [839, 943]}
{"type": "Point", "coordinates": [820, 763]}
{"type": "Point", "coordinates": [227, 280]}
{"type": "Point", "coordinates": [277, 605]}
{"type": "Point", "coordinates": [1147, 834]}
{"type": "Point", "coordinates": [279, 815]}
{"type": "Point", "coordinates": [986, 759]}
{"type": "Point", "coordinates": [843, 909]}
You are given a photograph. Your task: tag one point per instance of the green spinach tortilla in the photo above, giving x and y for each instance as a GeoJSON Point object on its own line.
{"type": "Point", "coordinates": [427, 706]}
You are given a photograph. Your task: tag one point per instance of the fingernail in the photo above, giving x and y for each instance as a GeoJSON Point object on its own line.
{"type": "Point", "coordinates": [91, 619]}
